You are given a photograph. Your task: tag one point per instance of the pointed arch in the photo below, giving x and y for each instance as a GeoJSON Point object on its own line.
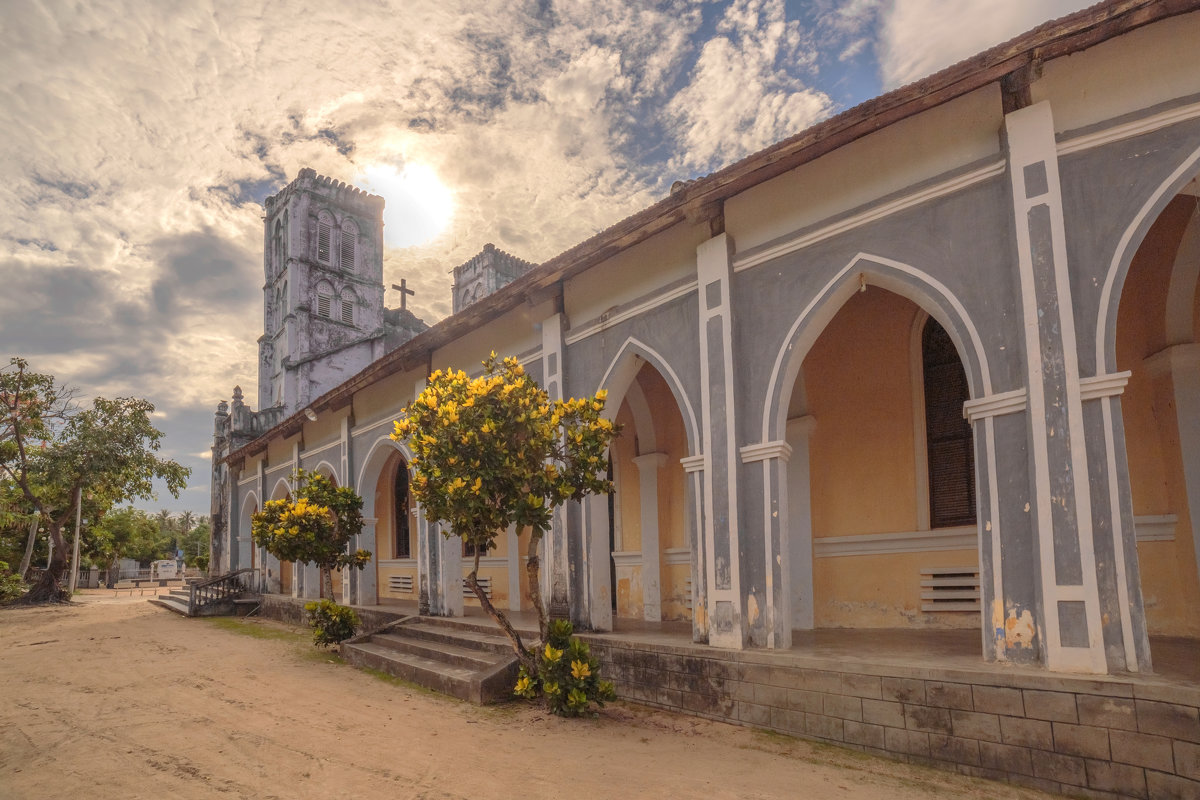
{"type": "Point", "coordinates": [328, 470]}
{"type": "Point", "coordinates": [373, 466]}
{"type": "Point", "coordinates": [1127, 246]}
{"type": "Point", "coordinates": [624, 368]}
{"type": "Point", "coordinates": [281, 489]}
{"type": "Point", "coordinates": [865, 269]}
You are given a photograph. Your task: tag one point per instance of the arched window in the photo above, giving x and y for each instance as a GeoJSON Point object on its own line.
{"type": "Point", "coordinates": [324, 300]}
{"type": "Point", "coordinates": [346, 307]}
{"type": "Point", "coordinates": [277, 254]}
{"type": "Point", "coordinates": [348, 245]}
{"type": "Point", "coordinates": [949, 442]}
{"type": "Point", "coordinates": [324, 237]}
{"type": "Point", "coordinates": [403, 547]}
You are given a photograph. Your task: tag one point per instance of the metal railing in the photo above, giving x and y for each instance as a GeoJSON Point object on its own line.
{"type": "Point", "coordinates": [222, 587]}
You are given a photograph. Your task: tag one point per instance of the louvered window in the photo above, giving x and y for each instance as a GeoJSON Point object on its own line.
{"type": "Point", "coordinates": [324, 234]}
{"type": "Point", "coordinates": [948, 434]}
{"type": "Point", "coordinates": [400, 512]}
{"type": "Point", "coordinates": [349, 241]}
{"type": "Point", "coordinates": [324, 304]}
{"type": "Point", "coordinates": [348, 312]}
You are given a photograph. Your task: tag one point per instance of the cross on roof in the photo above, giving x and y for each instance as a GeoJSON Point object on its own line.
{"type": "Point", "coordinates": [402, 287]}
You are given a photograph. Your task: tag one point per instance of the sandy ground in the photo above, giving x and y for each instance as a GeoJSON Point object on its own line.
{"type": "Point", "coordinates": [113, 697]}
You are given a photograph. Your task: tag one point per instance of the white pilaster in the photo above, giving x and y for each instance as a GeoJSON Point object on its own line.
{"type": "Point", "coordinates": [648, 466]}
{"type": "Point", "coordinates": [799, 522]}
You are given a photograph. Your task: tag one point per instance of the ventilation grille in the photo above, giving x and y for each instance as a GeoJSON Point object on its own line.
{"type": "Point", "coordinates": [484, 583]}
{"type": "Point", "coordinates": [950, 589]}
{"type": "Point", "coordinates": [401, 583]}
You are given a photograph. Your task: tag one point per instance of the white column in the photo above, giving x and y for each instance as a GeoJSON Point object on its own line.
{"type": "Point", "coordinates": [1069, 604]}
{"type": "Point", "coordinates": [555, 569]}
{"type": "Point", "coordinates": [799, 522]}
{"type": "Point", "coordinates": [598, 562]}
{"type": "Point", "coordinates": [648, 466]}
{"type": "Point", "coordinates": [515, 563]}
{"type": "Point", "coordinates": [727, 626]}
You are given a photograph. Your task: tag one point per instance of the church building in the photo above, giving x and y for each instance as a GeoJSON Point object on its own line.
{"type": "Point", "coordinates": [931, 364]}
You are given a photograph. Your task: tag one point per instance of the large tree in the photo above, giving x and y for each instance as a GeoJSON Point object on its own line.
{"type": "Point", "coordinates": [54, 452]}
{"type": "Point", "coordinates": [495, 451]}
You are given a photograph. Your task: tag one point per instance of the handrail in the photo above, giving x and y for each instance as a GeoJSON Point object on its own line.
{"type": "Point", "coordinates": [220, 588]}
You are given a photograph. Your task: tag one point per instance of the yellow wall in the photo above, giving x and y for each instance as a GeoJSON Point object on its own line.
{"type": "Point", "coordinates": [1168, 569]}
{"type": "Point", "coordinates": [384, 546]}
{"type": "Point", "coordinates": [860, 392]}
{"type": "Point", "coordinates": [671, 440]}
{"type": "Point", "coordinates": [859, 382]}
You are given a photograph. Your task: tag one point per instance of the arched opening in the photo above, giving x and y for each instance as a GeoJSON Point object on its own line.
{"type": "Point", "coordinates": [651, 556]}
{"type": "Point", "coordinates": [395, 531]}
{"type": "Point", "coordinates": [881, 482]}
{"type": "Point", "coordinates": [285, 571]}
{"type": "Point", "coordinates": [1157, 339]}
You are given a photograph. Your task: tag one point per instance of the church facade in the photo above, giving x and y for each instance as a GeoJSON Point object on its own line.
{"type": "Point", "coordinates": [933, 363]}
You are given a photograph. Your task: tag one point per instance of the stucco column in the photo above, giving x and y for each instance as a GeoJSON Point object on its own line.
{"type": "Point", "coordinates": [362, 581]}
{"type": "Point", "coordinates": [799, 532]}
{"type": "Point", "coordinates": [727, 626]}
{"type": "Point", "coordinates": [693, 468]}
{"type": "Point", "coordinates": [648, 466]}
{"type": "Point", "coordinates": [775, 631]}
{"type": "Point", "coordinates": [1067, 609]}
{"type": "Point", "coordinates": [516, 564]}
{"type": "Point", "coordinates": [555, 568]}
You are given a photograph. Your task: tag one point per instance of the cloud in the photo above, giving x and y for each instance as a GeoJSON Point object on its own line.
{"type": "Point", "coordinates": [920, 37]}
{"type": "Point", "coordinates": [744, 92]}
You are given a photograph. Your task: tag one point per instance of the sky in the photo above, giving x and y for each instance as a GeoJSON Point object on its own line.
{"type": "Point", "coordinates": [138, 139]}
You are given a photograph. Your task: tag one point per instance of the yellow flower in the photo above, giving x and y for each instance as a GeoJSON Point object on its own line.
{"type": "Point", "coordinates": [523, 685]}
{"type": "Point", "coordinates": [478, 485]}
{"type": "Point", "coordinates": [580, 669]}
{"type": "Point", "coordinates": [552, 654]}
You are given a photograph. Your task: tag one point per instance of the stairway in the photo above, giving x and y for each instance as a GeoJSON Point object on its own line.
{"type": "Point", "coordinates": [470, 661]}
{"type": "Point", "coordinates": [176, 600]}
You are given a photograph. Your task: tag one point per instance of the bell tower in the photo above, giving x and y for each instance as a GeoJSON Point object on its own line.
{"type": "Point", "coordinates": [323, 313]}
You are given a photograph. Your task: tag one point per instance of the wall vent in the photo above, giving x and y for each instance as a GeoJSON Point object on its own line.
{"type": "Point", "coordinates": [950, 589]}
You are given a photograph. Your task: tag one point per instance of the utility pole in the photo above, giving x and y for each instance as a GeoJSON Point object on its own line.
{"type": "Point", "coordinates": [75, 547]}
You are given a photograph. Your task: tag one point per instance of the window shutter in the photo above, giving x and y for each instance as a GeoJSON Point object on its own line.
{"type": "Point", "coordinates": [949, 441]}
{"type": "Point", "coordinates": [323, 234]}
{"type": "Point", "coordinates": [348, 312]}
{"type": "Point", "coordinates": [323, 306]}
{"type": "Point", "coordinates": [400, 513]}
{"type": "Point", "coordinates": [349, 240]}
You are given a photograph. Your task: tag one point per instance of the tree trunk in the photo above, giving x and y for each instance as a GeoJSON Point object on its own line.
{"type": "Point", "coordinates": [47, 589]}
{"type": "Point", "coordinates": [523, 655]}
{"type": "Point", "coordinates": [534, 571]}
{"type": "Point", "coordinates": [327, 584]}
{"type": "Point", "coordinates": [33, 526]}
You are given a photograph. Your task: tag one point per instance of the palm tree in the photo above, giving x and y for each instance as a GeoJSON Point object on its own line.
{"type": "Point", "coordinates": [187, 521]}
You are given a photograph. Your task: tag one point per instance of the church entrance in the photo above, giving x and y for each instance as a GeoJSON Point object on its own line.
{"type": "Point", "coordinates": [881, 480]}
{"type": "Point", "coordinates": [651, 560]}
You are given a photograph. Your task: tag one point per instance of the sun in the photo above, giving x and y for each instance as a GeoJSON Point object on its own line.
{"type": "Point", "coordinates": [419, 206]}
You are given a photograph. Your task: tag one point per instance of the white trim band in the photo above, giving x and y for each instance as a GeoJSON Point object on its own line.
{"type": "Point", "coordinates": [874, 544]}
{"type": "Point", "coordinates": [995, 405]}
{"type": "Point", "coordinates": [1099, 386]}
{"type": "Point", "coordinates": [761, 255]}
{"type": "Point", "coordinates": [694, 463]}
{"type": "Point", "coordinates": [1129, 129]}
{"type": "Point", "coordinates": [766, 450]}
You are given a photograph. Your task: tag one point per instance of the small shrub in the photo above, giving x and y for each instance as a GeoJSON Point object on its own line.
{"type": "Point", "coordinates": [11, 584]}
{"type": "Point", "coordinates": [568, 675]}
{"type": "Point", "coordinates": [330, 622]}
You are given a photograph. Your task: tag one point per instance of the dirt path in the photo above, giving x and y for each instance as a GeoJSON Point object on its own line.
{"type": "Point", "coordinates": [117, 698]}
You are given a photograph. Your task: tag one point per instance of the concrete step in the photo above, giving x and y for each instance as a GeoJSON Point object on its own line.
{"type": "Point", "coordinates": [171, 603]}
{"type": "Point", "coordinates": [455, 655]}
{"type": "Point", "coordinates": [461, 662]}
{"type": "Point", "coordinates": [461, 637]}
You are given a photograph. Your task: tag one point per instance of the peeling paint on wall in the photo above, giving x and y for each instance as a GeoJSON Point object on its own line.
{"type": "Point", "coordinates": [1019, 629]}
{"type": "Point", "coordinates": [752, 611]}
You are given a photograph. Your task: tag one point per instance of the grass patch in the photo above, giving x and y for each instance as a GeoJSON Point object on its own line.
{"type": "Point", "coordinates": [258, 630]}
